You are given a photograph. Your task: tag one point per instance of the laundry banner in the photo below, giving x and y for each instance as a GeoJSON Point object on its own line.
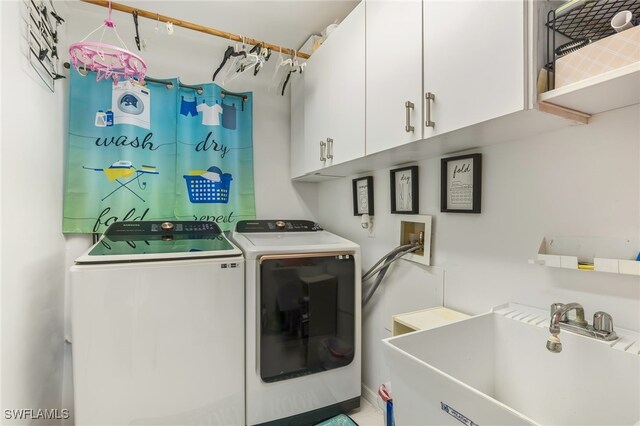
{"type": "Point", "coordinates": [156, 152]}
{"type": "Point", "coordinates": [121, 152]}
{"type": "Point", "coordinates": [214, 168]}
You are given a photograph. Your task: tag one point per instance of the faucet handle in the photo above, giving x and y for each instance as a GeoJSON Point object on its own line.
{"type": "Point", "coordinates": [602, 321]}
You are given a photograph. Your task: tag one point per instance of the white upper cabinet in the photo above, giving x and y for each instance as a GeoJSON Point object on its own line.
{"type": "Point", "coordinates": [317, 108]}
{"type": "Point", "coordinates": [330, 96]}
{"type": "Point", "coordinates": [347, 89]}
{"type": "Point", "coordinates": [298, 162]}
{"type": "Point", "coordinates": [474, 53]}
{"type": "Point", "coordinates": [394, 73]}
{"type": "Point", "coordinates": [433, 68]}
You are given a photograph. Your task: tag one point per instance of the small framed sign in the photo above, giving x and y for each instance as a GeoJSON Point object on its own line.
{"type": "Point", "coordinates": [404, 190]}
{"type": "Point", "coordinates": [461, 184]}
{"type": "Point", "coordinates": [363, 196]}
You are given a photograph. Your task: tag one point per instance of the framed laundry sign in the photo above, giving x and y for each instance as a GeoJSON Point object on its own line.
{"type": "Point", "coordinates": [461, 184]}
{"type": "Point", "coordinates": [404, 190]}
{"type": "Point", "coordinates": [363, 196]}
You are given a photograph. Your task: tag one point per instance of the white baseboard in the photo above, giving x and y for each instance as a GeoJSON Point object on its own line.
{"type": "Point", "coordinates": [371, 397]}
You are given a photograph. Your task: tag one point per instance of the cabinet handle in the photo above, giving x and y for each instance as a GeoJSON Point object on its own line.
{"type": "Point", "coordinates": [329, 149]}
{"type": "Point", "coordinates": [322, 148]}
{"type": "Point", "coordinates": [408, 127]}
{"type": "Point", "coordinates": [429, 97]}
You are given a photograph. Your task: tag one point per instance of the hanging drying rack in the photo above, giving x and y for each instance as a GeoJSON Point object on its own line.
{"type": "Point", "coordinates": [194, 27]}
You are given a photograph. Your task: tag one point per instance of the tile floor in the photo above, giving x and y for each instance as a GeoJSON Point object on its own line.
{"type": "Point", "coordinates": [367, 414]}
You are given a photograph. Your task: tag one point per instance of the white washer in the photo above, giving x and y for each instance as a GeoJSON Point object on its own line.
{"type": "Point", "coordinates": [158, 327]}
{"type": "Point", "coordinates": [303, 296]}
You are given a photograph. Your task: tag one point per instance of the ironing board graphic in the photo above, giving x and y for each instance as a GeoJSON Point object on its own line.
{"type": "Point", "coordinates": [122, 170]}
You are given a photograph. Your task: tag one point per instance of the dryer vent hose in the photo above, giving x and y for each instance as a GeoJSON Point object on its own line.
{"type": "Point", "coordinates": [381, 270]}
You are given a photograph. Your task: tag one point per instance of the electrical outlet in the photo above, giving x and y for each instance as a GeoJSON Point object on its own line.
{"type": "Point", "coordinates": [412, 229]}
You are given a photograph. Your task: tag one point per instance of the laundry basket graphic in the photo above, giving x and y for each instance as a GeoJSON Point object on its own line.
{"type": "Point", "coordinates": [210, 186]}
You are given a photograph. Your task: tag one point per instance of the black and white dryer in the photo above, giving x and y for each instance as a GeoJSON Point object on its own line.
{"type": "Point", "coordinates": [303, 313]}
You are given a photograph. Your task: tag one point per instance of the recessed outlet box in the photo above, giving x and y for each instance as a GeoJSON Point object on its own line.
{"type": "Point", "coordinates": [414, 228]}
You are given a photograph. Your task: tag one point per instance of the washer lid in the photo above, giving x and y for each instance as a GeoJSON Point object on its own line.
{"type": "Point", "coordinates": [156, 240]}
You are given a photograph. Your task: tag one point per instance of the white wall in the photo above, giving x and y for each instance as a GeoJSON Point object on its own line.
{"type": "Point", "coordinates": [33, 248]}
{"type": "Point", "coordinates": [578, 181]}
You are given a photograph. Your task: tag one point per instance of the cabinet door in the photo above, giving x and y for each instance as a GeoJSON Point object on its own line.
{"type": "Point", "coordinates": [473, 61]}
{"type": "Point", "coordinates": [394, 72]}
{"type": "Point", "coordinates": [298, 161]}
{"type": "Point", "coordinates": [316, 107]}
{"type": "Point", "coordinates": [346, 105]}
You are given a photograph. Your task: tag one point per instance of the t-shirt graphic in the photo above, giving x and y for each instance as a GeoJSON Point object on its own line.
{"type": "Point", "coordinates": [229, 116]}
{"type": "Point", "coordinates": [131, 104]}
{"type": "Point", "coordinates": [210, 114]}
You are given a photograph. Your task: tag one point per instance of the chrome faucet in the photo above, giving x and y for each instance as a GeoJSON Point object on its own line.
{"type": "Point", "coordinates": [602, 328]}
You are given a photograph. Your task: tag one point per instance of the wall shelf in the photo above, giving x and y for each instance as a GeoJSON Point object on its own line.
{"type": "Point", "coordinates": [590, 21]}
{"type": "Point", "coordinates": [613, 255]}
{"type": "Point", "coordinates": [614, 89]}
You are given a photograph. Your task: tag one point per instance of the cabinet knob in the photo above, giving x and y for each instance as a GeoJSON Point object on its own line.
{"type": "Point", "coordinates": [407, 126]}
{"type": "Point", "coordinates": [429, 97]}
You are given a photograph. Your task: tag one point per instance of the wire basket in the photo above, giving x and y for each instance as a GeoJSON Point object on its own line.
{"type": "Point", "coordinates": [203, 190]}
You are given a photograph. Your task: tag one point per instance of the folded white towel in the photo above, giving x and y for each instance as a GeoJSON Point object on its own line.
{"type": "Point", "coordinates": [214, 177]}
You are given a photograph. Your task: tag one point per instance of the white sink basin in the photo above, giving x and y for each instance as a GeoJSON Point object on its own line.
{"type": "Point", "coordinates": [494, 369]}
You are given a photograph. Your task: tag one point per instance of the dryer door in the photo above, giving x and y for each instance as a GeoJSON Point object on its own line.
{"type": "Point", "coordinates": [307, 314]}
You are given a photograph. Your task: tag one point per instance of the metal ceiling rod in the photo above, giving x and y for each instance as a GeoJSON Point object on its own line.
{"type": "Point", "coordinates": [194, 27]}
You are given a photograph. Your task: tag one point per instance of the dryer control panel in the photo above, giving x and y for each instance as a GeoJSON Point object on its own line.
{"type": "Point", "coordinates": [251, 226]}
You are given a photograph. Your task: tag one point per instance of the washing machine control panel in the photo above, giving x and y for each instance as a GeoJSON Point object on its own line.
{"type": "Point", "coordinates": [251, 226]}
{"type": "Point", "coordinates": [142, 230]}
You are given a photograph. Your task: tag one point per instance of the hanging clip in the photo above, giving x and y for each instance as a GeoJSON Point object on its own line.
{"type": "Point", "coordinates": [135, 22]}
{"type": "Point", "coordinates": [108, 22]}
{"type": "Point", "coordinates": [43, 54]}
{"type": "Point", "coordinates": [57, 17]}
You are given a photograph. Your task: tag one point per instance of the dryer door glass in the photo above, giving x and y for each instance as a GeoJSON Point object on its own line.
{"type": "Point", "coordinates": [307, 314]}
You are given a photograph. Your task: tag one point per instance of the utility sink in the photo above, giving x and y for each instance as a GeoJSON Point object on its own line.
{"type": "Point", "coordinates": [494, 369]}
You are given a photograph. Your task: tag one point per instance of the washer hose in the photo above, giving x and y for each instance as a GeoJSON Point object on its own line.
{"type": "Point", "coordinates": [388, 259]}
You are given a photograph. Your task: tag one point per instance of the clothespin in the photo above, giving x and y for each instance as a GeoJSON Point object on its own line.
{"type": "Point", "coordinates": [58, 19]}
{"type": "Point", "coordinates": [42, 54]}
